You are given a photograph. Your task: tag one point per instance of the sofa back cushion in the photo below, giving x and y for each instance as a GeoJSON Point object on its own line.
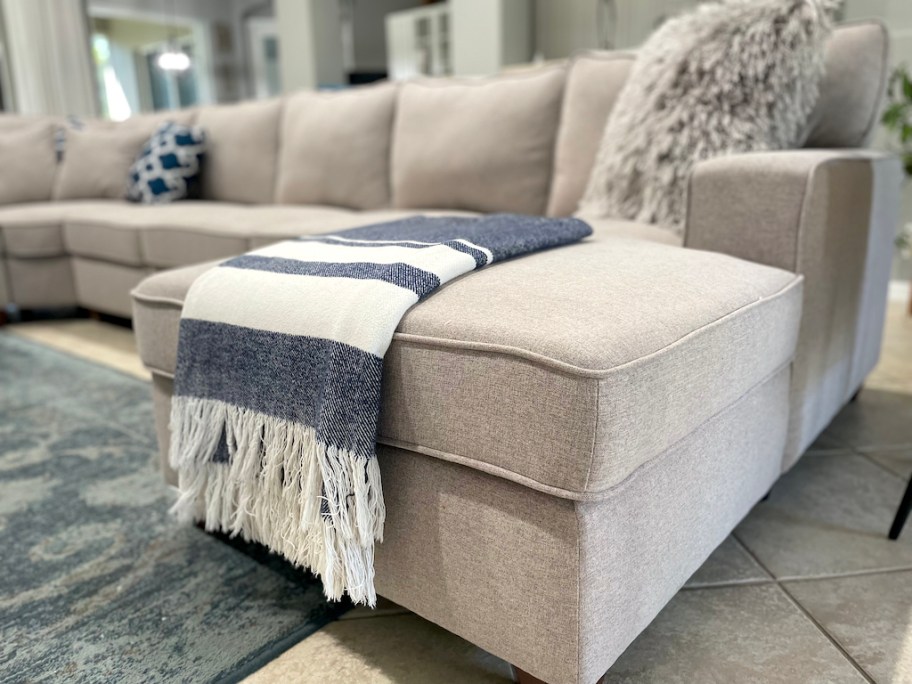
{"type": "Point", "coordinates": [29, 157]}
{"type": "Point", "coordinates": [594, 80]}
{"type": "Point", "coordinates": [846, 114]}
{"type": "Point", "coordinates": [335, 148]}
{"type": "Point", "coordinates": [853, 87]}
{"type": "Point", "coordinates": [96, 161]}
{"type": "Point", "coordinates": [242, 145]}
{"type": "Point", "coordinates": [482, 144]}
{"type": "Point", "coordinates": [97, 154]}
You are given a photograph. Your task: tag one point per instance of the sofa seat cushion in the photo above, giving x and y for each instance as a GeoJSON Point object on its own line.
{"type": "Point", "coordinates": [191, 232]}
{"type": "Point", "coordinates": [35, 230]}
{"type": "Point", "coordinates": [285, 223]}
{"type": "Point", "coordinates": [566, 370]}
{"type": "Point", "coordinates": [618, 228]}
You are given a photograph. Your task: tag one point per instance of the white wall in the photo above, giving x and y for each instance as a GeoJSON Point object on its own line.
{"type": "Point", "coordinates": [564, 27]}
{"type": "Point", "coordinates": [369, 31]}
{"type": "Point", "coordinates": [488, 35]}
{"type": "Point", "coordinates": [310, 43]}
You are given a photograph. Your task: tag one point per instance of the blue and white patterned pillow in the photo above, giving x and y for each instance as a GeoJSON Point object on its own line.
{"type": "Point", "coordinates": [168, 168]}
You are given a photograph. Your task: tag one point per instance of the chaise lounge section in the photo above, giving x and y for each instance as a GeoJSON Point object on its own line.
{"type": "Point", "coordinates": [565, 438]}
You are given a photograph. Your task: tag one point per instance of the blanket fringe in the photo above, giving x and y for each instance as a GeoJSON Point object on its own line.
{"type": "Point", "coordinates": [318, 506]}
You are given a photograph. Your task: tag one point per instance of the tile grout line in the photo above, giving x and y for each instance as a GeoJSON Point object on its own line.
{"type": "Point", "coordinates": [880, 465]}
{"type": "Point", "coordinates": [820, 628]}
{"type": "Point", "coordinates": [845, 575]}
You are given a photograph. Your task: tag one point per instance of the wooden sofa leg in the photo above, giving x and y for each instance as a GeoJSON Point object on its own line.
{"type": "Point", "coordinates": [523, 677]}
{"type": "Point", "coordinates": [4, 317]}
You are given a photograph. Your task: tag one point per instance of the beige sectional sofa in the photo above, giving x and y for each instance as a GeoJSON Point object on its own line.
{"type": "Point", "coordinates": [565, 437]}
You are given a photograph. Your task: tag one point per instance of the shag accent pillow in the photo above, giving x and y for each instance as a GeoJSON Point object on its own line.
{"type": "Point", "coordinates": [168, 168]}
{"type": "Point", "coordinates": [730, 77]}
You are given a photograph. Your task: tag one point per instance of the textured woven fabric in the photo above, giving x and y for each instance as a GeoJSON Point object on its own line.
{"type": "Point", "coordinates": [729, 77]}
{"type": "Point", "coordinates": [277, 390]}
{"type": "Point", "coordinates": [169, 166]}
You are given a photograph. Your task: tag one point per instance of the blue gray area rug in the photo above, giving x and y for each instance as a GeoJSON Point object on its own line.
{"type": "Point", "coordinates": [97, 582]}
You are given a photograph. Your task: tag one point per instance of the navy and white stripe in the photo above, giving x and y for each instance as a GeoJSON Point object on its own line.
{"type": "Point", "coordinates": [277, 390]}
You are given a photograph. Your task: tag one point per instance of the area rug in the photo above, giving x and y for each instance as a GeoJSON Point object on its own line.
{"type": "Point", "coordinates": [97, 582]}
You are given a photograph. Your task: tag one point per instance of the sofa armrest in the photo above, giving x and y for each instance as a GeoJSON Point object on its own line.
{"type": "Point", "coordinates": [831, 216]}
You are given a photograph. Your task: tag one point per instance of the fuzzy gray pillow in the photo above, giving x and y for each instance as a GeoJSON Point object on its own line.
{"type": "Point", "coordinates": [730, 77]}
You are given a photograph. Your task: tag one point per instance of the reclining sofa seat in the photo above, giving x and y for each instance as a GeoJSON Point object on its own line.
{"type": "Point", "coordinates": [565, 437]}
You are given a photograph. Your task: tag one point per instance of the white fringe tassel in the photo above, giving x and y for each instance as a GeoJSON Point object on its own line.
{"type": "Point", "coordinates": [272, 489]}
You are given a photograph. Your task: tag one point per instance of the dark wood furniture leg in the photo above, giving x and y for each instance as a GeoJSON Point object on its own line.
{"type": "Point", "coordinates": [902, 514]}
{"type": "Point", "coordinates": [523, 677]}
{"type": "Point", "coordinates": [4, 317]}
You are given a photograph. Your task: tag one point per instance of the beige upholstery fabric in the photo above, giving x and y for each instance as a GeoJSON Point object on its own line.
{"type": "Point", "coordinates": [642, 543]}
{"type": "Point", "coordinates": [336, 147]}
{"type": "Point", "coordinates": [103, 286]}
{"type": "Point", "coordinates": [851, 93]}
{"type": "Point", "coordinates": [594, 81]}
{"type": "Point", "coordinates": [224, 230]}
{"type": "Point", "coordinates": [38, 283]}
{"type": "Point", "coordinates": [29, 163]}
{"type": "Point", "coordinates": [313, 222]}
{"type": "Point", "coordinates": [484, 145]}
{"type": "Point", "coordinates": [830, 216]}
{"type": "Point", "coordinates": [105, 234]}
{"type": "Point", "coordinates": [850, 97]}
{"type": "Point", "coordinates": [581, 351]}
{"type": "Point", "coordinates": [96, 161]}
{"type": "Point", "coordinates": [556, 587]}
{"type": "Point", "coordinates": [36, 230]}
{"type": "Point", "coordinates": [10, 122]}
{"type": "Point", "coordinates": [603, 228]}
{"type": "Point", "coordinates": [242, 144]}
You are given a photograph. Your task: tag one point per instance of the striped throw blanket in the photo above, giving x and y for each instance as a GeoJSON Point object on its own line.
{"type": "Point", "coordinates": [277, 391]}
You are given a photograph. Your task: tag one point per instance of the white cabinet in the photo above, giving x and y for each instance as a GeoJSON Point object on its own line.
{"type": "Point", "coordinates": [418, 42]}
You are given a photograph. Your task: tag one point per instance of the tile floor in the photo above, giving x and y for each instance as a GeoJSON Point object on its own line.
{"type": "Point", "coordinates": [807, 589]}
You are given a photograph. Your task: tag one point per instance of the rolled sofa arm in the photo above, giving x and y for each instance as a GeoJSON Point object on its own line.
{"type": "Point", "coordinates": [831, 216]}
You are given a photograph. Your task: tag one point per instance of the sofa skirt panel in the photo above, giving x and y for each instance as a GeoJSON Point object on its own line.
{"type": "Point", "coordinates": [559, 587]}
{"type": "Point", "coordinates": [41, 282]}
{"type": "Point", "coordinates": [104, 286]}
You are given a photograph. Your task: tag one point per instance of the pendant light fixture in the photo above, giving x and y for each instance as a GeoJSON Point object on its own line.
{"type": "Point", "coordinates": [173, 58]}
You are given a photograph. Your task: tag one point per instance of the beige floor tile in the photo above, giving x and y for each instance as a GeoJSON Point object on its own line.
{"type": "Point", "coordinates": [734, 634]}
{"type": "Point", "coordinates": [879, 418]}
{"type": "Point", "coordinates": [870, 616]}
{"type": "Point", "coordinates": [404, 649]}
{"type": "Point", "coordinates": [729, 564]}
{"type": "Point", "coordinates": [894, 372]}
{"type": "Point", "coordinates": [104, 343]}
{"type": "Point", "coordinates": [898, 461]}
{"type": "Point", "coordinates": [828, 516]}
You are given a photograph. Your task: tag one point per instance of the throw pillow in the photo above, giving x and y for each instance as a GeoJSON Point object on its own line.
{"type": "Point", "coordinates": [730, 77]}
{"type": "Point", "coordinates": [168, 168]}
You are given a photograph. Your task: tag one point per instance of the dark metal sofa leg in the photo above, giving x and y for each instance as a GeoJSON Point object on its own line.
{"type": "Point", "coordinates": [902, 514]}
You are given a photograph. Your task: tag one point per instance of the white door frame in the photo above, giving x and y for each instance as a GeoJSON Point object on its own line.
{"type": "Point", "coordinates": [257, 29]}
